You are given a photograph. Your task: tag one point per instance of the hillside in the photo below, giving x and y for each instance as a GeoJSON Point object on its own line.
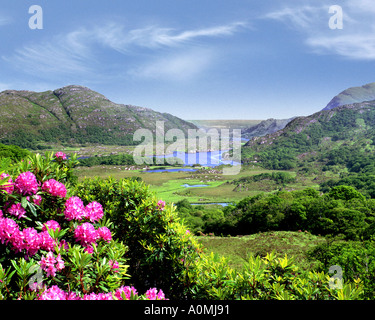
{"type": "Point", "coordinates": [353, 95]}
{"type": "Point", "coordinates": [350, 125]}
{"type": "Point", "coordinates": [265, 127]}
{"type": "Point", "coordinates": [74, 114]}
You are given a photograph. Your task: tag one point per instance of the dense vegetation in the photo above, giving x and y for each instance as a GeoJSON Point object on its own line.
{"type": "Point", "coordinates": [106, 239]}
{"type": "Point", "coordinates": [320, 133]}
{"type": "Point", "coordinates": [341, 211]}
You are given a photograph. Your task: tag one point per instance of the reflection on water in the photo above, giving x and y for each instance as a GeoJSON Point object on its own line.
{"type": "Point", "coordinates": [186, 185]}
{"type": "Point", "coordinates": [205, 158]}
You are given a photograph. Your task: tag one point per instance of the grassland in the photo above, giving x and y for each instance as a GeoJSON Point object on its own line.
{"type": "Point", "coordinates": [238, 249]}
{"type": "Point", "coordinates": [169, 185]}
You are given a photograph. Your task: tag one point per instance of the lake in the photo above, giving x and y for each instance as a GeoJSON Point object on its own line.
{"type": "Point", "coordinates": [205, 158]}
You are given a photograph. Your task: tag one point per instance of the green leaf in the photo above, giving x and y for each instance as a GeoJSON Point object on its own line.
{"type": "Point", "coordinates": [24, 202]}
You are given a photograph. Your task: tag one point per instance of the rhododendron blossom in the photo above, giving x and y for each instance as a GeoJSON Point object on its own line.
{"type": "Point", "coordinates": [94, 211]}
{"type": "Point", "coordinates": [54, 188]}
{"type": "Point", "coordinates": [153, 294]}
{"type": "Point", "coordinates": [127, 291]}
{"type": "Point", "coordinates": [8, 227]}
{"type": "Point", "coordinates": [26, 184]}
{"type": "Point", "coordinates": [61, 155]}
{"type": "Point", "coordinates": [104, 233]}
{"type": "Point", "coordinates": [86, 234]}
{"type": "Point", "coordinates": [74, 209]}
{"type": "Point", "coordinates": [114, 265]}
{"type": "Point", "coordinates": [17, 210]}
{"type": "Point", "coordinates": [51, 224]}
{"type": "Point", "coordinates": [161, 205]}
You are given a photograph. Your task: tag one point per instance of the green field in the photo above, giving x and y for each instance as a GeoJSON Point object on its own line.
{"type": "Point", "coordinates": [168, 185]}
{"type": "Point", "coordinates": [238, 249]}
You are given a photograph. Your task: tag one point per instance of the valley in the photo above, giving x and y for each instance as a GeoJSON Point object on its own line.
{"type": "Point", "coordinates": [304, 186]}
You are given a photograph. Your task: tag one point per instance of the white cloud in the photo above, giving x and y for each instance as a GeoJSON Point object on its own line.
{"type": "Point", "coordinates": [355, 41]}
{"type": "Point", "coordinates": [179, 66]}
{"type": "Point", "coordinates": [77, 52]}
{"type": "Point", "coordinates": [116, 37]}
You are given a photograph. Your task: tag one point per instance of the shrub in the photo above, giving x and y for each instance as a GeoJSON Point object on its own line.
{"type": "Point", "coordinates": [47, 254]}
{"type": "Point", "coordinates": [265, 279]}
{"type": "Point", "coordinates": [161, 249]}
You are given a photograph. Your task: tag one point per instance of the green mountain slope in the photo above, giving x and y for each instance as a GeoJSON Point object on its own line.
{"type": "Point", "coordinates": [74, 114]}
{"type": "Point", "coordinates": [349, 125]}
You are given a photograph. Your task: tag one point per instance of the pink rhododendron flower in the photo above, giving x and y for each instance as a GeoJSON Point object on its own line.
{"type": "Point", "coordinates": [74, 209]}
{"type": "Point", "coordinates": [53, 293]}
{"type": "Point", "coordinates": [51, 224]}
{"type": "Point", "coordinates": [31, 241]}
{"type": "Point", "coordinates": [99, 296]}
{"type": "Point", "coordinates": [60, 155]}
{"type": "Point", "coordinates": [161, 205]}
{"type": "Point", "coordinates": [17, 210]}
{"type": "Point", "coordinates": [153, 294]}
{"type": "Point", "coordinates": [46, 242]}
{"type": "Point", "coordinates": [8, 228]}
{"type": "Point", "coordinates": [104, 233]}
{"type": "Point", "coordinates": [94, 211]}
{"type": "Point", "coordinates": [9, 187]}
{"type": "Point", "coordinates": [54, 188]}
{"type": "Point", "coordinates": [86, 234]}
{"type": "Point", "coordinates": [127, 291]}
{"type": "Point", "coordinates": [48, 264]}
{"type": "Point", "coordinates": [114, 265]}
{"type": "Point", "coordinates": [26, 184]}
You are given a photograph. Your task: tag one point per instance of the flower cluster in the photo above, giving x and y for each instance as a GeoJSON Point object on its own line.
{"type": "Point", "coordinates": [27, 239]}
{"type": "Point", "coordinates": [161, 205]}
{"type": "Point", "coordinates": [21, 200]}
{"type": "Point", "coordinates": [154, 294]}
{"type": "Point", "coordinates": [75, 210]}
{"type": "Point", "coordinates": [48, 264]}
{"type": "Point", "coordinates": [55, 293]}
{"type": "Point", "coordinates": [17, 210]}
{"type": "Point", "coordinates": [60, 155]}
{"type": "Point", "coordinates": [86, 235]}
{"type": "Point", "coordinates": [54, 188]}
{"type": "Point", "coordinates": [26, 184]}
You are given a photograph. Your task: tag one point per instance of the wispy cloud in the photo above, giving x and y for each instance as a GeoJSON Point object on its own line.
{"type": "Point", "coordinates": [77, 52]}
{"type": "Point", "coordinates": [117, 37]}
{"type": "Point", "coordinates": [355, 41]}
{"type": "Point", "coordinates": [4, 20]}
{"type": "Point", "coordinates": [179, 66]}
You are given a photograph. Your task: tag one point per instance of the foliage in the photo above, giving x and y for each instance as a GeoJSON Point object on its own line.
{"type": "Point", "coordinates": [46, 254]}
{"type": "Point", "coordinates": [343, 210]}
{"type": "Point", "coordinates": [355, 258]}
{"type": "Point", "coordinates": [267, 278]}
{"type": "Point", "coordinates": [161, 249]}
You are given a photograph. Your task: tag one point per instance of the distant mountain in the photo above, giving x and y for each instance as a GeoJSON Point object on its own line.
{"type": "Point", "coordinates": [265, 127]}
{"type": "Point", "coordinates": [353, 95]}
{"type": "Point", "coordinates": [74, 114]}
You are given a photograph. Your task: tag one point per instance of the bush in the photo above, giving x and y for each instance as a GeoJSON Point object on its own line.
{"type": "Point", "coordinates": [161, 249]}
{"type": "Point", "coordinates": [265, 279]}
{"type": "Point", "coordinates": [53, 244]}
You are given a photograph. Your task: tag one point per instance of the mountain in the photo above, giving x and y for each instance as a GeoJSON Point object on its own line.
{"type": "Point", "coordinates": [74, 114]}
{"type": "Point", "coordinates": [353, 95]}
{"type": "Point", "coordinates": [311, 136]}
{"type": "Point", "coordinates": [265, 127]}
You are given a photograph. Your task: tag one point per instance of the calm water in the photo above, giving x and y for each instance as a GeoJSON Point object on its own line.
{"type": "Point", "coordinates": [172, 170]}
{"type": "Point", "coordinates": [186, 185]}
{"type": "Point", "coordinates": [206, 158]}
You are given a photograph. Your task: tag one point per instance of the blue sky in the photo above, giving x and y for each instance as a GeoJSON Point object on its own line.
{"type": "Point", "coordinates": [206, 59]}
